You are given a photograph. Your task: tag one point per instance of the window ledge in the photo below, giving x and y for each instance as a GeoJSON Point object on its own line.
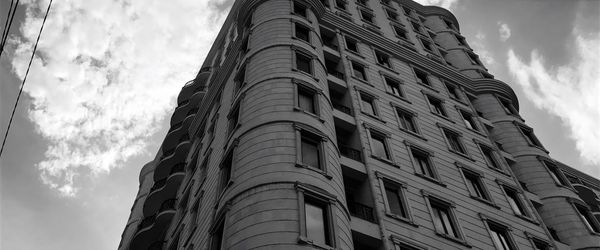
{"type": "Point", "coordinates": [356, 53]}
{"type": "Point", "coordinates": [373, 116]}
{"type": "Point", "coordinates": [388, 68]}
{"type": "Point", "coordinates": [526, 218]}
{"type": "Point", "coordinates": [454, 239]}
{"type": "Point", "coordinates": [428, 87]}
{"type": "Point", "coordinates": [305, 18]}
{"type": "Point", "coordinates": [412, 133]}
{"type": "Point", "coordinates": [477, 132]}
{"type": "Point", "coordinates": [303, 41]}
{"type": "Point", "coordinates": [402, 219]}
{"type": "Point", "coordinates": [461, 154]}
{"type": "Point", "coordinates": [431, 179]}
{"type": "Point", "coordinates": [389, 162]}
{"type": "Point", "coordinates": [443, 117]}
{"type": "Point", "coordinates": [362, 80]}
{"type": "Point", "coordinates": [302, 165]}
{"type": "Point", "coordinates": [506, 173]}
{"type": "Point", "coordinates": [307, 241]}
{"type": "Point", "coordinates": [402, 98]}
{"type": "Point", "coordinates": [306, 74]}
{"type": "Point", "coordinates": [488, 202]}
{"type": "Point", "coordinates": [298, 109]}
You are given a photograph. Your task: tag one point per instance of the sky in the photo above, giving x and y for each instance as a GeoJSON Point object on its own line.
{"type": "Point", "coordinates": [104, 81]}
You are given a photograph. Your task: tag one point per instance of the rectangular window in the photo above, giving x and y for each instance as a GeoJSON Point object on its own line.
{"type": "Point", "coordinates": [316, 218]}
{"type": "Point", "coordinates": [500, 237]}
{"type": "Point", "coordinates": [422, 77]}
{"type": "Point", "coordinates": [393, 86]}
{"type": "Point", "coordinates": [461, 40]}
{"type": "Point", "coordinates": [453, 91]}
{"type": "Point", "coordinates": [234, 118]}
{"type": "Point", "coordinates": [416, 27]}
{"type": "Point", "coordinates": [217, 236]}
{"type": "Point", "coordinates": [362, 2]}
{"type": "Point", "coordinates": [515, 201]}
{"type": "Point", "coordinates": [400, 32]}
{"type": "Point", "coordinates": [351, 44]}
{"type": "Point", "coordinates": [392, 15]}
{"type": "Point", "coordinates": [489, 156]}
{"type": "Point", "coordinates": [455, 142]}
{"type": "Point", "coordinates": [383, 59]}
{"type": "Point", "coordinates": [302, 32]}
{"type": "Point", "coordinates": [507, 106]}
{"type": "Point", "coordinates": [240, 80]}
{"type": "Point", "coordinates": [407, 120]}
{"type": "Point", "coordinates": [395, 201]}
{"type": "Point", "coordinates": [530, 137]}
{"type": "Point", "coordinates": [341, 4]}
{"type": "Point", "coordinates": [555, 173]}
{"type": "Point", "coordinates": [310, 150]}
{"type": "Point", "coordinates": [368, 104]}
{"type": "Point", "coordinates": [303, 63]}
{"type": "Point", "coordinates": [379, 147]}
{"type": "Point", "coordinates": [307, 100]}
{"type": "Point", "coordinates": [436, 106]}
{"type": "Point", "coordinates": [540, 245]}
{"type": "Point", "coordinates": [367, 16]}
{"type": "Point", "coordinates": [475, 185]}
{"type": "Point", "coordinates": [226, 167]}
{"type": "Point", "coordinates": [469, 120]}
{"type": "Point", "coordinates": [427, 45]}
{"type": "Point", "coordinates": [588, 220]}
{"type": "Point", "coordinates": [359, 71]}
{"type": "Point", "coordinates": [300, 10]}
{"type": "Point", "coordinates": [442, 218]}
{"type": "Point", "coordinates": [422, 163]}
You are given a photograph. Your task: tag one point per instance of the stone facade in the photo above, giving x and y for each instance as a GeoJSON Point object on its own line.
{"type": "Point", "coordinates": [375, 114]}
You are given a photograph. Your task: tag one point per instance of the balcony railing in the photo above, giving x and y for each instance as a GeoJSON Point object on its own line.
{"type": "Point", "coordinates": [175, 126]}
{"type": "Point", "coordinates": [147, 221]}
{"type": "Point", "coordinates": [342, 108]}
{"type": "Point", "coordinates": [192, 111]}
{"type": "Point", "coordinates": [200, 88]}
{"type": "Point", "coordinates": [177, 168]}
{"type": "Point", "coordinates": [184, 137]}
{"type": "Point", "coordinates": [167, 205]}
{"type": "Point", "coordinates": [351, 153]}
{"type": "Point", "coordinates": [168, 153]}
{"type": "Point", "coordinates": [361, 211]}
{"type": "Point", "coordinates": [336, 74]}
{"type": "Point", "coordinates": [158, 184]}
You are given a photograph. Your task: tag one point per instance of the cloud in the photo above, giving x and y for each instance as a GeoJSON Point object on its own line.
{"type": "Point", "coordinates": [447, 4]}
{"type": "Point", "coordinates": [478, 46]}
{"type": "Point", "coordinates": [106, 73]}
{"type": "Point", "coordinates": [504, 31]}
{"type": "Point", "coordinates": [569, 91]}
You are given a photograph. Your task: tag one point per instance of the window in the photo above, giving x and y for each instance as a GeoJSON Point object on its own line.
{"type": "Point", "coordinates": [383, 59]}
{"type": "Point", "coordinates": [341, 4]}
{"type": "Point", "coordinates": [300, 10]}
{"type": "Point", "coordinates": [540, 245]}
{"type": "Point", "coordinates": [316, 220]}
{"type": "Point", "coordinates": [362, 2]}
{"type": "Point", "coordinates": [306, 100]}
{"type": "Point", "coordinates": [507, 106]}
{"type": "Point", "coordinates": [395, 201]}
{"type": "Point", "coordinates": [586, 218]}
{"type": "Point", "coordinates": [455, 142]}
{"type": "Point", "coordinates": [555, 173]}
{"type": "Point", "coordinates": [367, 16]}
{"type": "Point", "coordinates": [407, 120]}
{"type": "Point", "coordinates": [368, 104]}
{"type": "Point", "coordinates": [392, 15]}
{"type": "Point", "coordinates": [422, 163]}
{"type": "Point", "coordinates": [404, 246]}
{"type": "Point", "coordinates": [358, 71]}
{"type": "Point", "coordinates": [422, 77]}
{"type": "Point", "coordinates": [217, 235]}
{"type": "Point", "coordinates": [393, 86]}
{"type": "Point", "coordinates": [351, 44]}
{"type": "Point", "coordinates": [449, 24]}
{"type": "Point", "coordinates": [233, 116]}
{"type": "Point", "coordinates": [515, 201]}
{"type": "Point", "coordinates": [436, 106]}
{"type": "Point", "coordinates": [400, 32]}
{"type": "Point", "coordinates": [443, 219]}
{"type": "Point", "coordinates": [379, 146]}
{"type": "Point", "coordinates": [469, 120]}
{"type": "Point", "coordinates": [461, 40]}
{"type": "Point", "coordinates": [500, 236]}
{"type": "Point", "coordinates": [226, 169]}
{"type": "Point", "coordinates": [453, 91]}
{"type": "Point", "coordinates": [530, 137]}
{"type": "Point", "coordinates": [310, 148]}
{"type": "Point", "coordinates": [302, 32]}
{"type": "Point", "coordinates": [240, 80]}
{"type": "Point", "coordinates": [490, 157]}
{"type": "Point", "coordinates": [407, 11]}
{"type": "Point", "coordinates": [303, 63]}
{"type": "Point", "coordinates": [194, 213]}
{"type": "Point", "coordinates": [427, 45]}
{"type": "Point", "coordinates": [329, 38]}
{"type": "Point", "coordinates": [473, 58]}
{"type": "Point", "coordinates": [416, 27]}
{"type": "Point", "coordinates": [475, 185]}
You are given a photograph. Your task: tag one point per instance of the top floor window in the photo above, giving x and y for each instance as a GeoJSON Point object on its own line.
{"type": "Point", "coordinates": [300, 10]}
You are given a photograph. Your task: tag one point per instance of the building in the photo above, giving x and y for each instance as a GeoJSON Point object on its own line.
{"type": "Point", "coordinates": [342, 124]}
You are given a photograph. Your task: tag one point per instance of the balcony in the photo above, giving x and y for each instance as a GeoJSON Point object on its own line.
{"type": "Point", "coordinates": [361, 211]}
{"type": "Point", "coordinates": [350, 152]}
{"type": "Point", "coordinates": [164, 189]}
{"type": "Point", "coordinates": [154, 227]}
{"type": "Point", "coordinates": [171, 159]}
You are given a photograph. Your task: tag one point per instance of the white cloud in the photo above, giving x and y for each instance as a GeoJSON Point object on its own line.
{"type": "Point", "coordinates": [570, 92]}
{"type": "Point", "coordinates": [447, 4]}
{"type": "Point", "coordinates": [478, 46]}
{"type": "Point", "coordinates": [504, 31]}
{"type": "Point", "coordinates": [105, 75]}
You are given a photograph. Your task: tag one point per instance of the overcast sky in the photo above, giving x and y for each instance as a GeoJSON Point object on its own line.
{"type": "Point", "coordinates": [104, 81]}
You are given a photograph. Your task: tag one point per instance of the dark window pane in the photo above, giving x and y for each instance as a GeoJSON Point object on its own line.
{"type": "Point", "coordinates": [422, 161]}
{"type": "Point", "coordinates": [454, 142]}
{"type": "Point", "coordinates": [488, 154]}
{"type": "Point", "coordinates": [379, 147]}
{"type": "Point", "coordinates": [359, 71]}
{"type": "Point", "coordinates": [394, 201]}
{"type": "Point", "coordinates": [310, 152]}
{"type": "Point", "coordinates": [351, 45]}
{"type": "Point", "coordinates": [299, 9]}
{"type": "Point", "coordinates": [367, 105]}
{"type": "Point", "coordinates": [303, 63]}
{"type": "Point", "coordinates": [306, 101]}
{"type": "Point", "coordinates": [394, 87]}
{"type": "Point", "coordinates": [442, 220]}
{"type": "Point", "coordinates": [302, 33]}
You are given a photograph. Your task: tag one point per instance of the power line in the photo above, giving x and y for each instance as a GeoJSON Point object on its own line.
{"type": "Point", "coordinates": [8, 24]}
{"type": "Point", "coordinates": [25, 77]}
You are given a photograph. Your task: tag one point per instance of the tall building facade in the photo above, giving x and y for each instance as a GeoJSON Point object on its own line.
{"type": "Point", "coordinates": [342, 124]}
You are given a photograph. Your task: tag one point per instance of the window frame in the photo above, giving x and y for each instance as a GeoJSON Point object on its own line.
{"type": "Point", "coordinates": [494, 155]}
{"type": "Point", "coordinates": [297, 51]}
{"type": "Point", "coordinates": [306, 8]}
{"type": "Point", "coordinates": [490, 223]}
{"type": "Point", "coordinates": [384, 181]}
{"type": "Point", "coordinates": [414, 121]}
{"type": "Point", "coordinates": [300, 129]}
{"type": "Point", "coordinates": [354, 41]}
{"type": "Point", "coordinates": [388, 59]}
{"type": "Point", "coordinates": [234, 114]}
{"type": "Point", "coordinates": [473, 123]}
{"type": "Point", "coordinates": [401, 93]}
{"type": "Point", "coordinates": [413, 149]}
{"type": "Point", "coordinates": [228, 155]}
{"type": "Point", "coordinates": [373, 102]}
{"type": "Point", "coordinates": [406, 37]}
{"type": "Point", "coordinates": [218, 224]}
{"type": "Point", "coordinates": [342, 8]}
{"type": "Point", "coordinates": [507, 106]}
{"type": "Point", "coordinates": [457, 94]}
{"type": "Point", "coordinates": [307, 88]}
{"type": "Point", "coordinates": [328, 201]}
{"type": "Point", "coordinates": [362, 11]}
{"type": "Point", "coordinates": [431, 100]}
{"type": "Point", "coordinates": [309, 30]}
{"type": "Point", "coordinates": [463, 150]}
{"type": "Point", "coordinates": [529, 136]}
{"type": "Point", "coordinates": [588, 219]}
{"type": "Point", "coordinates": [535, 240]}
{"type": "Point", "coordinates": [520, 201]}
{"type": "Point", "coordinates": [417, 72]}
{"type": "Point", "coordinates": [364, 67]}
{"type": "Point", "coordinates": [464, 171]}
{"type": "Point", "coordinates": [453, 219]}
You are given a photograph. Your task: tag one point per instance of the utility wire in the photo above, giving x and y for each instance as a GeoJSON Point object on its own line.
{"type": "Point", "coordinates": [8, 24]}
{"type": "Point", "coordinates": [25, 78]}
